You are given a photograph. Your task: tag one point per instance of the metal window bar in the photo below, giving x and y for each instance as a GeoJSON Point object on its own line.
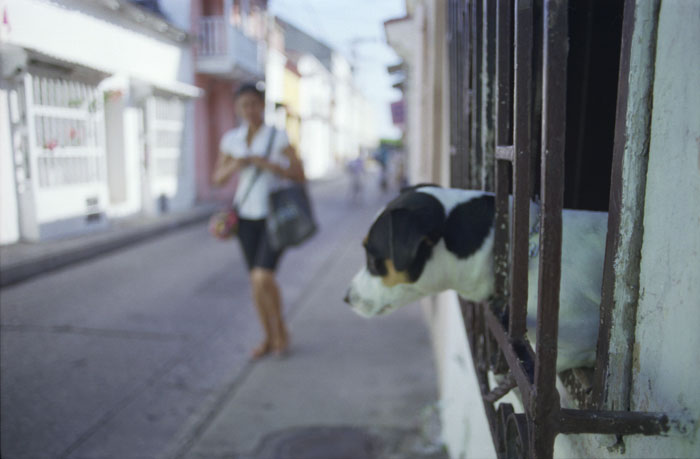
{"type": "Point", "coordinates": [467, 118]}
{"type": "Point", "coordinates": [504, 136]}
{"type": "Point", "coordinates": [459, 90]}
{"type": "Point", "coordinates": [491, 334]}
{"type": "Point", "coordinates": [488, 78]}
{"type": "Point", "coordinates": [475, 95]}
{"type": "Point", "coordinates": [454, 78]}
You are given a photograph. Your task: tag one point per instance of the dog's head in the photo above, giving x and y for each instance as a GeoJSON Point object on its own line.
{"type": "Point", "coordinates": [413, 233]}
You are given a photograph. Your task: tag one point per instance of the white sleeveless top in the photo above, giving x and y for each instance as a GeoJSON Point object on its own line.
{"type": "Point", "coordinates": [233, 143]}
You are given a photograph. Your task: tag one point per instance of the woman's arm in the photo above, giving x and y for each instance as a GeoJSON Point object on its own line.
{"type": "Point", "coordinates": [295, 171]}
{"type": "Point", "coordinates": [226, 166]}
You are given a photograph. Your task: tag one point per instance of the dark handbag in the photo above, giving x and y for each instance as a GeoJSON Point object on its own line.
{"type": "Point", "coordinates": [290, 220]}
{"type": "Point", "coordinates": [223, 225]}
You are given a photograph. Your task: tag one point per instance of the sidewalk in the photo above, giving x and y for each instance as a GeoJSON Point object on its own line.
{"type": "Point", "coordinates": [350, 388]}
{"type": "Point", "coordinates": [24, 260]}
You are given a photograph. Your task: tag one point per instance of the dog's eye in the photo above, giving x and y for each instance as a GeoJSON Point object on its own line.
{"type": "Point", "coordinates": [375, 266]}
{"type": "Point", "coordinates": [371, 265]}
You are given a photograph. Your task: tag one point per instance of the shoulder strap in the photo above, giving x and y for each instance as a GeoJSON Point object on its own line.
{"type": "Point", "coordinates": [268, 150]}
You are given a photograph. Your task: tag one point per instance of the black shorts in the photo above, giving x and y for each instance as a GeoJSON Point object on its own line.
{"type": "Point", "coordinates": [255, 244]}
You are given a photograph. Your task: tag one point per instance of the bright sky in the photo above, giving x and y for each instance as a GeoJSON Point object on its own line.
{"type": "Point", "coordinates": [355, 28]}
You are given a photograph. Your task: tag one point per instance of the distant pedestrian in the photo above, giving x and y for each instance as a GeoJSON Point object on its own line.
{"type": "Point", "coordinates": [356, 170]}
{"type": "Point", "coordinates": [382, 157]}
{"type": "Point", "coordinates": [261, 167]}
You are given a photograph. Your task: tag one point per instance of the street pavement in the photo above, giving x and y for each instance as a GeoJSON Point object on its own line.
{"type": "Point", "coordinates": [143, 352]}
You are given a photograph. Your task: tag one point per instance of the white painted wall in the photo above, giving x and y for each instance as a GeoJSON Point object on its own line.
{"type": "Point", "coordinates": [87, 40]}
{"type": "Point", "coordinates": [315, 93]}
{"type": "Point", "coordinates": [9, 219]}
{"type": "Point", "coordinates": [315, 147]}
{"type": "Point", "coordinates": [133, 157]}
{"type": "Point", "coordinates": [117, 177]}
{"type": "Point", "coordinates": [274, 85]}
{"type": "Point", "coordinates": [666, 364]}
{"type": "Point", "coordinates": [345, 142]}
{"type": "Point", "coordinates": [419, 127]}
{"type": "Point", "coordinates": [185, 194]}
{"type": "Point", "coordinates": [465, 427]}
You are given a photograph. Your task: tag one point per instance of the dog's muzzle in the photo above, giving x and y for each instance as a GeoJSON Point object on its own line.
{"type": "Point", "coordinates": [357, 304]}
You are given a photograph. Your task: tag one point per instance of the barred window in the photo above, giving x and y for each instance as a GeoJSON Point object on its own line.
{"type": "Point", "coordinates": [527, 77]}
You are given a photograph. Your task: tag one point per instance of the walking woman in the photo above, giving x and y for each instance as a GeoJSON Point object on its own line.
{"type": "Point", "coordinates": [263, 157]}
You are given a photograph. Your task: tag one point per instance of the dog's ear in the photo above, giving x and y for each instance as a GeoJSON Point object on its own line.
{"type": "Point", "coordinates": [408, 232]}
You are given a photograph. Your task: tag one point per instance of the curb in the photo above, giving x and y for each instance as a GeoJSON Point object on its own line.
{"type": "Point", "coordinates": [24, 270]}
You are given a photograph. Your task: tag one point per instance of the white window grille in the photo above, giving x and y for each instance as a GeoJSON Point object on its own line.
{"type": "Point", "coordinates": [65, 121]}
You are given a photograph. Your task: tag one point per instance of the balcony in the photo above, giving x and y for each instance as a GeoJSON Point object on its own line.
{"type": "Point", "coordinates": [225, 51]}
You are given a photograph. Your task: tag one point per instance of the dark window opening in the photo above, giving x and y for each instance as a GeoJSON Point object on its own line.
{"type": "Point", "coordinates": [595, 31]}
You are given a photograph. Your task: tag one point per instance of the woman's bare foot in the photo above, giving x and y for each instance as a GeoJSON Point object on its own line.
{"type": "Point", "coordinates": [262, 350]}
{"type": "Point", "coordinates": [281, 345]}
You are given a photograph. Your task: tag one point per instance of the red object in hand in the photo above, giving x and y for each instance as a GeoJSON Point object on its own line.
{"type": "Point", "coordinates": [224, 225]}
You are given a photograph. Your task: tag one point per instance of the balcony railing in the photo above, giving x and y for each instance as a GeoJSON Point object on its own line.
{"type": "Point", "coordinates": [224, 50]}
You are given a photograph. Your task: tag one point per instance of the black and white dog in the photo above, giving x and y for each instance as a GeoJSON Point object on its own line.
{"type": "Point", "coordinates": [431, 239]}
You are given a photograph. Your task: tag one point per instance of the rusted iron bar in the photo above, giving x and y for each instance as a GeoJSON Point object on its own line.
{"type": "Point", "coordinates": [467, 48]}
{"type": "Point", "coordinates": [500, 236]}
{"type": "Point", "coordinates": [452, 38]}
{"type": "Point", "coordinates": [488, 82]}
{"type": "Point", "coordinates": [518, 354]}
{"type": "Point", "coordinates": [504, 136]}
{"type": "Point", "coordinates": [545, 409]}
{"type": "Point", "coordinates": [504, 412]}
{"type": "Point", "coordinates": [517, 438]}
{"type": "Point", "coordinates": [462, 116]}
{"type": "Point", "coordinates": [613, 422]}
{"type": "Point", "coordinates": [463, 44]}
{"type": "Point", "coordinates": [475, 156]}
{"type": "Point", "coordinates": [458, 40]}
{"type": "Point", "coordinates": [501, 390]}
{"type": "Point", "coordinates": [522, 136]}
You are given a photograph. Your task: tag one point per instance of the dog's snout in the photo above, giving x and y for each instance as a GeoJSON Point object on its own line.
{"type": "Point", "coordinates": [347, 297]}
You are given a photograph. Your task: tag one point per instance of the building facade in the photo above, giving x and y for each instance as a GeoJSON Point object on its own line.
{"type": "Point", "coordinates": [95, 100]}
{"type": "Point", "coordinates": [486, 109]}
{"type": "Point", "coordinates": [334, 120]}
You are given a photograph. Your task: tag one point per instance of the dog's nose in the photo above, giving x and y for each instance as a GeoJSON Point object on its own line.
{"type": "Point", "coordinates": [347, 297]}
